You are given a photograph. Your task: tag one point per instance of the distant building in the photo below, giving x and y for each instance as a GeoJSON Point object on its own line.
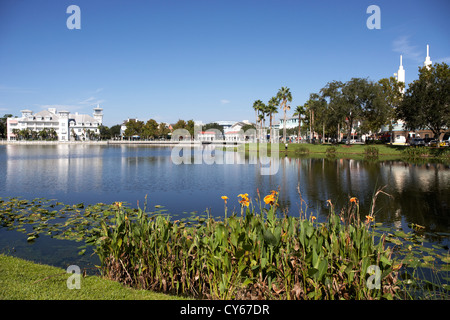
{"type": "Point", "coordinates": [65, 125]}
{"type": "Point", "coordinates": [400, 133]}
{"type": "Point", "coordinates": [291, 122]}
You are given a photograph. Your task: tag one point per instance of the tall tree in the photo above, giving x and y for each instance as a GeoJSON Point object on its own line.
{"type": "Point", "coordinates": [272, 108]}
{"type": "Point", "coordinates": [300, 112]}
{"type": "Point", "coordinates": [150, 129]}
{"type": "Point", "coordinates": [332, 93]}
{"type": "Point", "coordinates": [257, 106]}
{"type": "Point", "coordinates": [426, 104]}
{"type": "Point", "coordinates": [3, 126]}
{"type": "Point", "coordinates": [284, 96]}
{"type": "Point", "coordinates": [356, 97]}
{"type": "Point", "coordinates": [163, 130]}
{"type": "Point", "coordinates": [392, 93]}
{"type": "Point", "coordinates": [134, 128]}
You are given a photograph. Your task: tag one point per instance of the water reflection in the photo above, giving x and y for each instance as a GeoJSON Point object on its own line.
{"type": "Point", "coordinates": [90, 174]}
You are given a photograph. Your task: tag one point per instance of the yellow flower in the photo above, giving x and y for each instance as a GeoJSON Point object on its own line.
{"type": "Point", "coordinates": [273, 192]}
{"type": "Point", "coordinates": [245, 202]}
{"type": "Point", "coordinates": [353, 199]}
{"type": "Point", "coordinates": [225, 198]}
{"type": "Point", "coordinates": [313, 218]}
{"type": "Point", "coordinates": [369, 219]}
{"type": "Point", "coordinates": [269, 199]}
{"type": "Point", "coordinates": [118, 204]}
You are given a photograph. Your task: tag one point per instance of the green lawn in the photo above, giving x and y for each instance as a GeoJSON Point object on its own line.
{"type": "Point", "coordinates": [341, 149]}
{"type": "Point", "coordinates": [383, 149]}
{"type": "Point", "coordinates": [25, 280]}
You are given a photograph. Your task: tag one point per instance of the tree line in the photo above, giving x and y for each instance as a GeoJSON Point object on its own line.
{"type": "Point", "coordinates": [367, 106]}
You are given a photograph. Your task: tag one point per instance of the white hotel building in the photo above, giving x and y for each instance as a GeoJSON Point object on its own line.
{"type": "Point", "coordinates": [68, 127]}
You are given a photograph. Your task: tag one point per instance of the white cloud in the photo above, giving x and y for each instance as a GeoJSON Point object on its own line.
{"type": "Point", "coordinates": [81, 105]}
{"type": "Point", "coordinates": [91, 101]}
{"type": "Point", "coordinates": [224, 101]}
{"type": "Point", "coordinates": [403, 46]}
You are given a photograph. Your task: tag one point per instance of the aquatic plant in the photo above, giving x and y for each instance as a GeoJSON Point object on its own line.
{"type": "Point", "coordinates": [257, 255]}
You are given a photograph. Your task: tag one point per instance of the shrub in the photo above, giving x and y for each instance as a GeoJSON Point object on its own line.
{"type": "Point", "coordinates": [417, 152]}
{"type": "Point", "coordinates": [371, 152]}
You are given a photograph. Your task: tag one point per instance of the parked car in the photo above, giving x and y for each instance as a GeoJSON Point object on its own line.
{"type": "Point", "coordinates": [416, 142]}
{"type": "Point", "coordinates": [427, 141]}
{"type": "Point", "coordinates": [434, 143]}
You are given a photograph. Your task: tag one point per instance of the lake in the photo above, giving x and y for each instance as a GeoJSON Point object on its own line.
{"type": "Point", "coordinates": [75, 173]}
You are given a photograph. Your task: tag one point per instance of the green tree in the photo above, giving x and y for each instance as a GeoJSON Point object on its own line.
{"type": "Point", "coordinates": [426, 103]}
{"type": "Point", "coordinates": [335, 115]}
{"type": "Point", "coordinates": [150, 129]}
{"type": "Point", "coordinates": [115, 131]}
{"type": "Point", "coordinates": [284, 96]}
{"type": "Point", "coordinates": [3, 125]}
{"type": "Point", "coordinates": [258, 107]}
{"type": "Point", "coordinates": [356, 98]}
{"type": "Point", "coordinates": [181, 124]}
{"type": "Point", "coordinates": [300, 112]}
{"type": "Point", "coordinates": [272, 108]}
{"type": "Point", "coordinates": [104, 132]}
{"type": "Point", "coordinates": [213, 125]}
{"type": "Point", "coordinates": [392, 92]}
{"type": "Point", "coordinates": [134, 127]}
{"type": "Point", "coordinates": [163, 130]}
{"type": "Point", "coordinates": [190, 127]}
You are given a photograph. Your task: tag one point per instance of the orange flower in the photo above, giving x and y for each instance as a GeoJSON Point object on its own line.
{"type": "Point", "coordinates": [353, 199]}
{"type": "Point", "coordinates": [269, 199]}
{"type": "Point", "coordinates": [369, 219]}
{"type": "Point", "coordinates": [244, 201]}
{"type": "Point", "coordinates": [329, 202]}
{"type": "Point", "coordinates": [313, 218]}
{"type": "Point", "coordinates": [118, 204]}
{"type": "Point", "coordinates": [273, 192]}
{"type": "Point", "coordinates": [225, 198]}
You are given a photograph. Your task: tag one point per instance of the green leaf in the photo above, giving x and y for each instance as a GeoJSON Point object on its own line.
{"type": "Point", "coordinates": [269, 237]}
{"type": "Point", "coordinates": [323, 266]}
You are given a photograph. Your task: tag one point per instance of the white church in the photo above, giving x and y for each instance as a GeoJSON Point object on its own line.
{"type": "Point", "coordinates": [67, 126]}
{"type": "Point", "coordinates": [400, 134]}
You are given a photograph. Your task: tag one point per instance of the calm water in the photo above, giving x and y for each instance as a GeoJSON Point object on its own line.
{"type": "Point", "coordinates": [92, 174]}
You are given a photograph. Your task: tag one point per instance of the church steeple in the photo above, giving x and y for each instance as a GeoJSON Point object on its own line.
{"type": "Point", "coordinates": [427, 63]}
{"type": "Point", "coordinates": [401, 74]}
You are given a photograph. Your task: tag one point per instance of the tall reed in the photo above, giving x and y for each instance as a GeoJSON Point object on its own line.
{"type": "Point", "coordinates": [255, 255]}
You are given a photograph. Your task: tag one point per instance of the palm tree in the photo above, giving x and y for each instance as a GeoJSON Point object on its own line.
{"type": "Point", "coordinates": [299, 111]}
{"type": "Point", "coordinates": [272, 108]}
{"type": "Point", "coordinates": [284, 95]}
{"type": "Point", "coordinates": [258, 107]}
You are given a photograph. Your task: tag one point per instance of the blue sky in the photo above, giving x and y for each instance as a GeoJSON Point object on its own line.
{"type": "Point", "coordinates": [203, 59]}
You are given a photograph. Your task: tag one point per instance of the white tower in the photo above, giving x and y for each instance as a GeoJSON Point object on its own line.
{"type": "Point", "coordinates": [401, 74]}
{"type": "Point", "coordinates": [427, 63]}
{"type": "Point", "coordinates": [98, 114]}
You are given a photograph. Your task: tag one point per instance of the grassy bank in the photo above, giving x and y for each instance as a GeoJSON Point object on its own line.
{"type": "Point", "coordinates": [356, 151]}
{"type": "Point", "coordinates": [25, 280]}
